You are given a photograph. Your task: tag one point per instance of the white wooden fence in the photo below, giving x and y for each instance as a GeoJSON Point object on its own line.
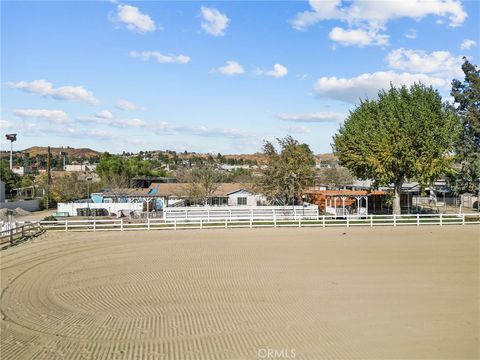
{"type": "Point", "coordinates": [320, 221]}
{"type": "Point", "coordinates": [240, 213]}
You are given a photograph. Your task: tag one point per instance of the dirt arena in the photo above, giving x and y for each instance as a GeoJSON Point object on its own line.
{"type": "Point", "coordinates": [335, 293]}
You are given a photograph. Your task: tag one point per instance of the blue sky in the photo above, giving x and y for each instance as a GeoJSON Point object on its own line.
{"type": "Point", "coordinates": [215, 76]}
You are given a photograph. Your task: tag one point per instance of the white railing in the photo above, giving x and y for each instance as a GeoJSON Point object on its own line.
{"type": "Point", "coordinates": [320, 221]}
{"type": "Point", "coordinates": [234, 213]}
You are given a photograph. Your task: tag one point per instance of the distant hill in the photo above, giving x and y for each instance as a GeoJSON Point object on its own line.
{"type": "Point", "coordinates": [80, 152]}
{"type": "Point", "coordinates": [87, 152]}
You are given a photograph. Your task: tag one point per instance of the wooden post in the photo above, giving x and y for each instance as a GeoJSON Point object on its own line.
{"type": "Point", "coordinates": [11, 236]}
{"type": "Point", "coordinates": [371, 220]}
{"type": "Point", "coordinates": [175, 224]}
{"type": "Point", "coordinates": [148, 224]}
{"type": "Point", "coordinates": [201, 223]}
{"type": "Point", "coordinates": [323, 220]}
{"type": "Point", "coordinates": [394, 220]}
{"type": "Point", "coordinates": [418, 219]}
{"type": "Point", "coordinates": [226, 225]}
{"type": "Point", "coordinates": [441, 219]}
{"type": "Point", "coordinates": [121, 224]}
{"type": "Point", "coordinates": [94, 224]}
{"type": "Point", "coordinates": [348, 221]}
{"type": "Point", "coordinates": [463, 219]}
{"type": "Point", "coordinates": [66, 225]}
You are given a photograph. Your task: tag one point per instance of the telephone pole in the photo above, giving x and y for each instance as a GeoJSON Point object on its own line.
{"type": "Point", "coordinates": [49, 176]}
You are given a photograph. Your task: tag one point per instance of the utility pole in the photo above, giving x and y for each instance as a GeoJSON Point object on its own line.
{"type": "Point", "coordinates": [11, 138]}
{"type": "Point", "coordinates": [49, 176]}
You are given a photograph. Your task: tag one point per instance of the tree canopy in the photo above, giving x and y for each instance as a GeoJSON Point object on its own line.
{"type": "Point", "coordinates": [8, 176]}
{"type": "Point", "coordinates": [405, 134]}
{"type": "Point", "coordinates": [467, 100]}
{"type": "Point", "coordinates": [286, 172]}
{"type": "Point", "coordinates": [113, 166]}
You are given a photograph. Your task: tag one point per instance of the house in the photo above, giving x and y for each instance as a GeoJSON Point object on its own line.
{"type": "Point", "coordinates": [20, 170]}
{"type": "Point", "coordinates": [80, 167]}
{"type": "Point", "coordinates": [226, 194]}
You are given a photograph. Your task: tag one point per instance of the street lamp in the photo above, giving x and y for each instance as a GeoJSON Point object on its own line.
{"type": "Point", "coordinates": [11, 138]}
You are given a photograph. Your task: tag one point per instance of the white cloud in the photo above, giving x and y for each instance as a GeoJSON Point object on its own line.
{"type": "Point", "coordinates": [5, 125]}
{"type": "Point", "coordinates": [134, 19]}
{"type": "Point", "coordinates": [104, 114]}
{"type": "Point", "coordinates": [316, 117]}
{"type": "Point", "coordinates": [125, 105]}
{"type": "Point", "coordinates": [278, 71]}
{"type": "Point", "coordinates": [367, 85]}
{"type": "Point", "coordinates": [165, 128]}
{"type": "Point", "coordinates": [56, 116]}
{"type": "Point", "coordinates": [367, 18]}
{"type": "Point", "coordinates": [437, 63]}
{"type": "Point", "coordinates": [108, 119]}
{"type": "Point", "coordinates": [161, 58]}
{"type": "Point", "coordinates": [379, 12]}
{"type": "Point", "coordinates": [298, 129]}
{"type": "Point", "coordinates": [411, 34]}
{"type": "Point", "coordinates": [359, 37]}
{"type": "Point", "coordinates": [45, 88]}
{"type": "Point", "coordinates": [135, 123]}
{"type": "Point", "coordinates": [231, 68]}
{"type": "Point", "coordinates": [214, 22]}
{"type": "Point", "coordinates": [468, 44]}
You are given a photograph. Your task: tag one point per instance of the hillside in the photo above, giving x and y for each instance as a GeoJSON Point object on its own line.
{"type": "Point", "coordinates": [80, 152]}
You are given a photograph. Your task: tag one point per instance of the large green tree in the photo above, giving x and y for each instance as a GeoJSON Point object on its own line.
{"type": "Point", "coordinates": [8, 176]}
{"type": "Point", "coordinates": [405, 134]}
{"type": "Point", "coordinates": [467, 105]}
{"type": "Point", "coordinates": [286, 172]}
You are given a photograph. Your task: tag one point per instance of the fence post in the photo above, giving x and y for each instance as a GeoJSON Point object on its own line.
{"type": "Point", "coordinates": [463, 219]}
{"type": "Point", "coordinates": [371, 220]}
{"type": "Point", "coordinates": [121, 224]}
{"type": "Point", "coordinates": [66, 225]}
{"type": "Point", "coordinates": [175, 224]}
{"type": "Point", "coordinates": [323, 220]}
{"type": "Point", "coordinates": [148, 224]}
{"type": "Point", "coordinates": [274, 219]}
{"type": "Point", "coordinates": [394, 220]}
{"type": "Point", "coordinates": [201, 223]}
{"type": "Point", "coordinates": [23, 231]}
{"type": "Point", "coordinates": [418, 219]}
{"type": "Point", "coordinates": [94, 224]}
{"type": "Point", "coordinates": [300, 221]}
{"type": "Point", "coordinates": [348, 221]}
{"type": "Point", "coordinates": [11, 236]}
{"type": "Point", "coordinates": [226, 225]}
{"type": "Point", "coordinates": [441, 220]}
{"type": "Point", "coordinates": [251, 221]}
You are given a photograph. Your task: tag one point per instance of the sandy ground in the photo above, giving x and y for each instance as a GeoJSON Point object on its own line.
{"type": "Point", "coordinates": [338, 293]}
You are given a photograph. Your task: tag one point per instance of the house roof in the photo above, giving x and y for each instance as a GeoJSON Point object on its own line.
{"type": "Point", "coordinates": [180, 189]}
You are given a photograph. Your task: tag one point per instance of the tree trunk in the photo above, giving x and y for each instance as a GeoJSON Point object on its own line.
{"type": "Point", "coordinates": [396, 201]}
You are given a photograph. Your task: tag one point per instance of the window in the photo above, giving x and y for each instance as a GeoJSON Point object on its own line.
{"type": "Point", "coordinates": [241, 201]}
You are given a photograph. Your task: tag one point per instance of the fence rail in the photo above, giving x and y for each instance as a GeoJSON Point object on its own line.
{"type": "Point", "coordinates": [19, 233]}
{"type": "Point", "coordinates": [225, 222]}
